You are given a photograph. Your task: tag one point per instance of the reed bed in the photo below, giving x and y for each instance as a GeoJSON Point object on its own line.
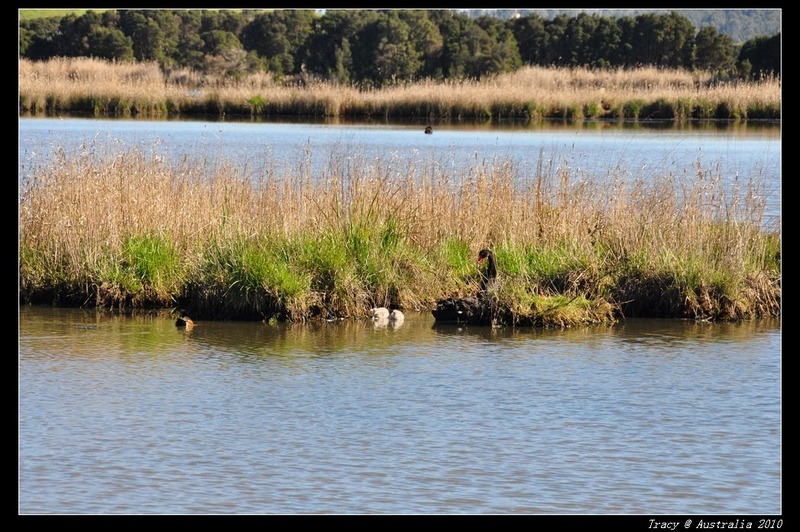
{"type": "Point", "coordinates": [109, 227]}
{"type": "Point", "coordinates": [102, 88]}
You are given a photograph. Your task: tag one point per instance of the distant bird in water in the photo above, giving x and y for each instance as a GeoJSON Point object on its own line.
{"type": "Point", "coordinates": [396, 316]}
{"type": "Point", "coordinates": [490, 275]}
{"type": "Point", "coordinates": [428, 130]}
{"type": "Point", "coordinates": [184, 321]}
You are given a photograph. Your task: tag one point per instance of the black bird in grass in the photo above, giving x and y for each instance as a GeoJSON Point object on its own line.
{"type": "Point", "coordinates": [488, 277]}
{"type": "Point", "coordinates": [476, 310]}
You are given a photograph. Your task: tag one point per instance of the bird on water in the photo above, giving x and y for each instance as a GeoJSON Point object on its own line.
{"type": "Point", "coordinates": [428, 130]}
{"type": "Point", "coordinates": [184, 321]}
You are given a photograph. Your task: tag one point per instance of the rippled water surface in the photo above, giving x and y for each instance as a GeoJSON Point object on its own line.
{"type": "Point", "coordinates": [127, 414]}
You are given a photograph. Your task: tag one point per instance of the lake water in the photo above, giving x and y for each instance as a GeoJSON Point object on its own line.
{"type": "Point", "coordinates": [128, 414]}
{"type": "Point", "coordinates": [125, 414]}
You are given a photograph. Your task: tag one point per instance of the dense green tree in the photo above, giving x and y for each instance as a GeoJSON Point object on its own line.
{"type": "Point", "coordinates": [576, 40]}
{"type": "Point", "coordinates": [713, 51]}
{"type": "Point", "coordinates": [221, 20]}
{"type": "Point", "coordinates": [396, 58]}
{"type": "Point", "coordinates": [330, 53]}
{"type": "Point", "coordinates": [467, 49]}
{"type": "Point", "coordinates": [379, 42]}
{"type": "Point", "coordinates": [760, 56]}
{"type": "Point", "coordinates": [426, 39]}
{"type": "Point", "coordinates": [26, 38]}
{"type": "Point", "coordinates": [148, 38]}
{"type": "Point", "coordinates": [110, 43]}
{"type": "Point", "coordinates": [660, 40]}
{"type": "Point", "coordinates": [37, 37]}
{"type": "Point", "coordinates": [168, 24]}
{"type": "Point", "coordinates": [217, 42]}
{"type": "Point", "coordinates": [502, 50]}
{"type": "Point", "coordinates": [627, 56]}
{"type": "Point", "coordinates": [110, 18]}
{"type": "Point", "coordinates": [73, 34]}
{"type": "Point", "coordinates": [556, 53]}
{"type": "Point", "coordinates": [531, 38]}
{"type": "Point", "coordinates": [189, 46]}
{"type": "Point", "coordinates": [281, 37]}
{"type": "Point", "coordinates": [603, 46]}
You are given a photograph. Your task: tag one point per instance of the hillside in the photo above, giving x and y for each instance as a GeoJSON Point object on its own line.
{"type": "Point", "coordinates": [740, 25]}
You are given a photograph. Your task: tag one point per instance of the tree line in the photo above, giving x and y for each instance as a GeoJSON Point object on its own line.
{"type": "Point", "coordinates": [739, 24]}
{"type": "Point", "coordinates": [373, 48]}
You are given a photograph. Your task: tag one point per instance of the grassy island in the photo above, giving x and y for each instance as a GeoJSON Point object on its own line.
{"type": "Point", "coordinates": [115, 227]}
{"type": "Point", "coordinates": [100, 88]}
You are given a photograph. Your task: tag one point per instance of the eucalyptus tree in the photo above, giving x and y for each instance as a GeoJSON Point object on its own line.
{"type": "Point", "coordinates": [713, 51]}
{"type": "Point", "coordinates": [425, 37]}
{"type": "Point", "coordinates": [531, 37]}
{"type": "Point", "coordinates": [109, 43]}
{"type": "Point", "coordinates": [385, 53]}
{"type": "Point", "coordinates": [576, 39]}
{"type": "Point", "coordinates": [468, 51]}
{"type": "Point", "coordinates": [150, 41]}
{"type": "Point", "coordinates": [189, 49]}
{"type": "Point", "coordinates": [760, 56]}
{"type": "Point", "coordinates": [224, 55]}
{"type": "Point", "coordinates": [664, 40]}
{"type": "Point", "coordinates": [556, 52]}
{"type": "Point", "coordinates": [330, 51]}
{"type": "Point", "coordinates": [603, 50]}
{"type": "Point", "coordinates": [281, 38]}
{"type": "Point", "coordinates": [501, 51]}
{"type": "Point", "coordinates": [222, 20]}
{"type": "Point", "coordinates": [73, 32]}
{"type": "Point", "coordinates": [38, 37]}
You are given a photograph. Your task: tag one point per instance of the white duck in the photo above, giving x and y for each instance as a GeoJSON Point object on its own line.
{"type": "Point", "coordinates": [380, 313]}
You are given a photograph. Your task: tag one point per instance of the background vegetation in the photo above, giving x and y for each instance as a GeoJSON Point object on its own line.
{"type": "Point", "coordinates": [373, 48]}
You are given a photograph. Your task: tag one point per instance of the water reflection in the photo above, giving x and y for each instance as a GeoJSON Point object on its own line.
{"type": "Point", "coordinates": [771, 128]}
{"type": "Point", "coordinates": [78, 331]}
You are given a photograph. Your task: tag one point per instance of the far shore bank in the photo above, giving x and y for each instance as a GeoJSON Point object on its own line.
{"type": "Point", "coordinates": [102, 89]}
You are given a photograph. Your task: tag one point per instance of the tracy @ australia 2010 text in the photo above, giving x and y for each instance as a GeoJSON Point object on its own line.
{"type": "Point", "coordinates": [718, 524]}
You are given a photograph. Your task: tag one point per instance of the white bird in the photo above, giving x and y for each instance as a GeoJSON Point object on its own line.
{"type": "Point", "coordinates": [380, 313]}
{"type": "Point", "coordinates": [396, 316]}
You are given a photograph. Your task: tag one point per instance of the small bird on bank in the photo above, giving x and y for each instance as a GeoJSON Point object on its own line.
{"type": "Point", "coordinates": [184, 321]}
{"type": "Point", "coordinates": [428, 130]}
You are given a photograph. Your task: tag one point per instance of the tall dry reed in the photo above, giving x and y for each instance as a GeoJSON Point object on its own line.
{"type": "Point", "coordinates": [109, 88]}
